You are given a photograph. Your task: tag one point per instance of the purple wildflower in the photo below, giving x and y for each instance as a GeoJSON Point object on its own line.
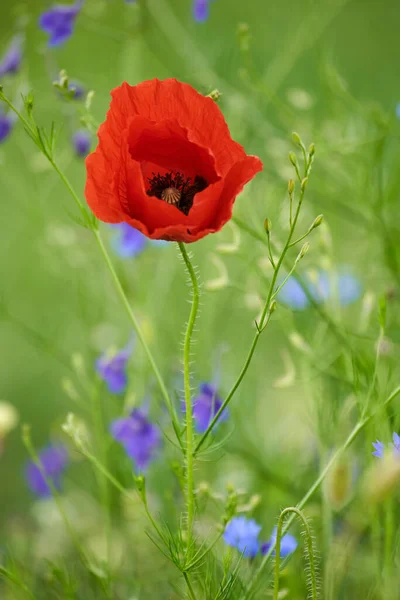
{"type": "Point", "coordinates": [139, 437]}
{"type": "Point", "coordinates": [205, 407]}
{"type": "Point", "coordinates": [129, 241]}
{"type": "Point", "coordinates": [201, 10]}
{"type": "Point", "coordinates": [112, 369]}
{"type": "Point", "coordinates": [379, 447]}
{"type": "Point", "coordinates": [11, 61]}
{"type": "Point", "coordinates": [288, 544]}
{"type": "Point", "coordinates": [78, 91]}
{"type": "Point", "coordinates": [53, 460]}
{"type": "Point", "coordinates": [6, 125]}
{"type": "Point", "coordinates": [59, 22]}
{"type": "Point", "coordinates": [82, 142]}
{"type": "Point", "coordinates": [242, 533]}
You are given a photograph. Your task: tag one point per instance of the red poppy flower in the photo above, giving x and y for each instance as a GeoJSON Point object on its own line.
{"type": "Point", "coordinates": [166, 163]}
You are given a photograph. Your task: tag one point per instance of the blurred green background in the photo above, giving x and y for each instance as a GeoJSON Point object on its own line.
{"type": "Point", "coordinates": [329, 70]}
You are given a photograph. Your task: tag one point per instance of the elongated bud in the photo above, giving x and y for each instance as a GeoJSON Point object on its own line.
{"type": "Point", "coordinates": [272, 307]}
{"type": "Point", "coordinates": [290, 186]}
{"type": "Point", "coordinates": [267, 226]}
{"type": "Point", "coordinates": [339, 483]}
{"type": "Point", "coordinates": [303, 251]}
{"type": "Point", "coordinates": [317, 222]}
{"type": "Point", "coordinates": [214, 95]}
{"type": "Point", "coordinates": [381, 480]}
{"type": "Point", "coordinates": [311, 149]}
{"type": "Point", "coordinates": [28, 102]}
{"type": "Point", "coordinates": [293, 158]}
{"type": "Point", "coordinates": [296, 139]}
{"type": "Point", "coordinates": [304, 184]}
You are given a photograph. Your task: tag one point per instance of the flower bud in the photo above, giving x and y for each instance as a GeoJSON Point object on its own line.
{"type": "Point", "coordinates": [290, 186]}
{"type": "Point", "coordinates": [296, 139]}
{"type": "Point", "coordinates": [317, 222]}
{"type": "Point", "coordinates": [311, 149]}
{"type": "Point", "coordinates": [267, 226]}
{"type": "Point", "coordinates": [293, 158]}
{"type": "Point", "coordinates": [272, 307]}
{"type": "Point", "coordinates": [304, 184]}
{"type": "Point", "coordinates": [214, 95]}
{"type": "Point", "coordinates": [338, 485]}
{"type": "Point", "coordinates": [303, 251]}
{"type": "Point", "coordinates": [140, 483]}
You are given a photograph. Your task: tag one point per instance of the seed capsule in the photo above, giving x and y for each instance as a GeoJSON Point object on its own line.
{"type": "Point", "coordinates": [171, 195]}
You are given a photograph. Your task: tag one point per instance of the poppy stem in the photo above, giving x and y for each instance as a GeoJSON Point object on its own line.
{"type": "Point", "coordinates": [189, 454]}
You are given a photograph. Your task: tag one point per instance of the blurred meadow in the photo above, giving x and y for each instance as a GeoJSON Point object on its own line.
{"type": "Point", "coordinates": [328, 70]}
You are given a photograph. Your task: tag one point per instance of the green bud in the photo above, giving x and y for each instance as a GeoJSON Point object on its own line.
{"type": "Point", "coordinates": [293, 158]}
{"type": "Point", "coordinates": [140, 483]}
{"type": "Point", "coordinates": [304, 184]}
{"type": "Point", "coordinates": [296, 139]}
{"type": "Point", "coordinates": [290, 186]}
{"type": "Point", "coordinates": [317, 222]}
{"type": "Point", "coordinates": [303, 251]}
{"type": "Point", "coordinates": [267, 226]}
{"type": "Point", "coordinates": [214, 95]}
{"type": "Point", "coordinates": [272, 307]}
{"type": "Point", "coordinates": [311, 149]}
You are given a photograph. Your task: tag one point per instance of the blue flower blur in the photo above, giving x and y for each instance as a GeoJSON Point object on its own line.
{"type": "Point", "coordinates": [140, 438]}
{"type": "Point", "coordinates": [205, 406]}
{"type": "Point", "coordinates": [379, 447]}
{"type": "Point", "coordinates": [201, 10]}
{"type": "Point", "coordinates": [321, 287]}
{"type": "Point", "coordinates": [128, 241]}
{"type": "Point", "coordinates": [288, 544]}
{"type": "Point", "coordinates": [242, 533]}
{"type": "Point", "coordinates": [6, 125]}
{"type": "Point", "coordinates": [11, 61]}
{"type": "Point", "coordinates": [112, 369]}
{"type": "Point", "coordinates": [82, 141]}
{"type": "Point", "coordinates": [53, 460]}
{"type": "Point", "coordinates": [59, 22]}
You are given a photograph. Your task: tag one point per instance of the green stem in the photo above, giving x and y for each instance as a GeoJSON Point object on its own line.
{"type": "Point", "coordinates": [136, 326]}
{"type": "Point", "coordinates": [189, 586]}
{"type": "Point", "coordinates": [309, 552]}
{"type": "Point", "coordinates": [352, 436]}
{"type": "Point", "coordinates": [188, 400]}
{"type": "Point", "coordinates": [260, 327]}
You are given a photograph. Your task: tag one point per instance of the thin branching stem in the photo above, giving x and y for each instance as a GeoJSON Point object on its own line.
{"type": "Point", "coordinates": [261, 325]}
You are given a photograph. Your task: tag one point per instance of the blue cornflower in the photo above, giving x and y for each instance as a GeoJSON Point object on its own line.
{"type": "Point", "coordinates": [82, 141]}
{"type": "Point", "coordinates": [11, 61]}
{"type": "Point", "coordinates": [288, 544]}
{"type": "Point", "coordinates": [77, 89]}
{"type": "Point", "coordinates": [346, 286]}
{"type": "Point", "coordinates": [201, 10]}
{"type": "Point", "coordinates": [140, 438]}
{"type": "Point", "coordinates": [242, 533]}
{"type": "Point", "coordinates": [129, 241]}
{"type": "Point", "coordinates": [379, 447]}
{"type": "Point", "coordinates": [59, 22]}
{"type": "Point", "coordinates": [6, 125]}
{"type": "Point", "coordinates": [112, 369]}
{"type": "Point", "coordinates": [206, 405]}
{"type": "Point", "coordinates": [54, 460]}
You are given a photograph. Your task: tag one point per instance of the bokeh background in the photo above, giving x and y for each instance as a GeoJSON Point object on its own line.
{"type": "Point", "coordinates": [328, 70]}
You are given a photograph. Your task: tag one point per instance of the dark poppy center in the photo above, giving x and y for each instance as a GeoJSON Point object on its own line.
{"type": "Point", "coordinates": [176, 189]}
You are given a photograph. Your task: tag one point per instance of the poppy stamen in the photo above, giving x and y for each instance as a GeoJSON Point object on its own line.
{"type": "Point", "coordinates": [175, 189]}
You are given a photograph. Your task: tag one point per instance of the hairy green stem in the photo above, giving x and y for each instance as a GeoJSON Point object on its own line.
{"type": "Point", "coordinates": [190, 503]}
{"type": "Point", "coordinates": [352, 436]}
{"type": "Point", "coordinates": [309, 551]}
